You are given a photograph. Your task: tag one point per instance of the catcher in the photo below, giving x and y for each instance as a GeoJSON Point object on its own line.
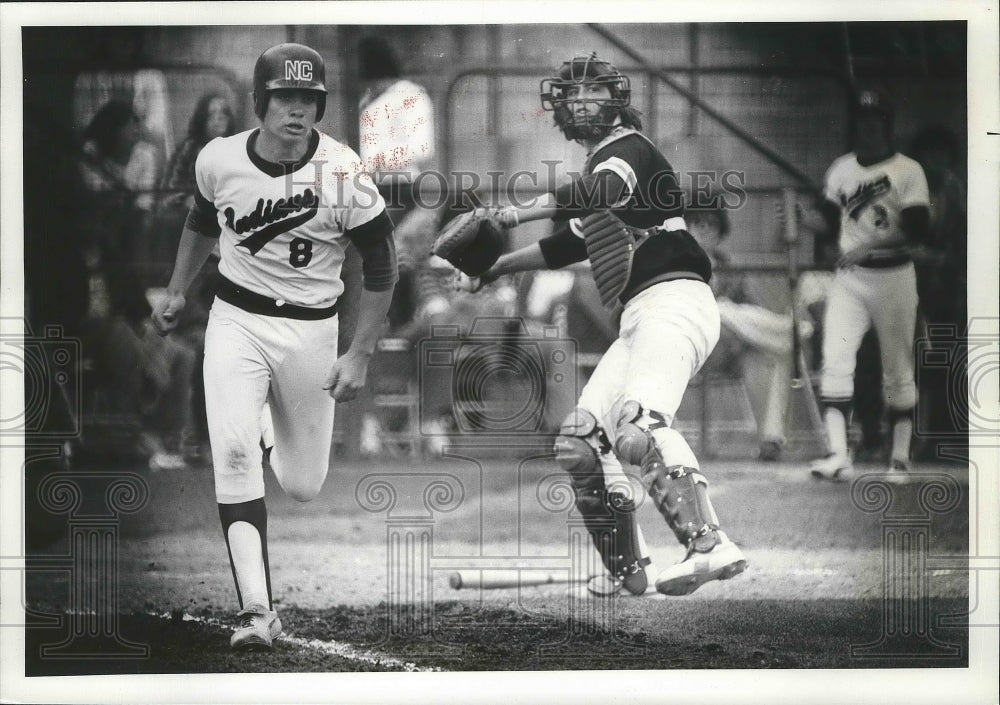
{"type": "Point", "coordinates": [626, 216]}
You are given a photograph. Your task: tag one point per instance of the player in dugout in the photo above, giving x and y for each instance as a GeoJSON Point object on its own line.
{"type": "Point", "coordinates": [877, 206]}
{"type": "Point", "coordinates": [626, 215]}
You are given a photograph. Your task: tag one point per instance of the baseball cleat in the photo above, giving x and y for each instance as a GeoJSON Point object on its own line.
{"type": "Point", "coordinates": [257, 629]}
{"type": "Point", "coordinates": [832, 467]}
{"type": "Point", "coordinates": [721, 563]}
{"type": "Point", "coordinates": [606, 585]}
{"type": "Point", "coordinates": [899, 472]}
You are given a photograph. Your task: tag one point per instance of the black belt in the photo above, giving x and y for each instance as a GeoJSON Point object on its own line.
{"type": "Point", "coordinates": [252, 302]}
{"type": "Point", "coordinates": [886, 262]}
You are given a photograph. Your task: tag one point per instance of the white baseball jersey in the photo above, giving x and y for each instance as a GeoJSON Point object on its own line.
{"type": "Point", "coordinates": [397, 130]}
{"type": "Point", "coordinates": [283, 235]}
{"type": "Point", "coordinates": [871, 198]}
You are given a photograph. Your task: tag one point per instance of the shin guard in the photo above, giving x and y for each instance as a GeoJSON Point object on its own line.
{"type": "Point", "coordinates": [608, 514]}
{"type": "Point", "coordinates": [681, 495]}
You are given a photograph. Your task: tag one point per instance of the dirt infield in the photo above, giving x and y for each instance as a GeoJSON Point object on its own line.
{"type": "Point", "coordinates": [814, 595]}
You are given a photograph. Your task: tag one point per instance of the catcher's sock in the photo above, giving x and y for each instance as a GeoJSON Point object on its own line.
{"type": "Point", "coordinates": [902, 432]}
{"type": "Point", "coordinates": [836, 430]}
{"type": "Point", "coordinates": [245, 528]}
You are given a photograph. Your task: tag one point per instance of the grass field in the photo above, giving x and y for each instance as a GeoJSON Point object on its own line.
{"type": "Point", "coordinates": [362, 586]}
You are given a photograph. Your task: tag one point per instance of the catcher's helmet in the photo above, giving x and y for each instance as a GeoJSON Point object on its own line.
{"type": "Point", "coordinates": [582, 71]}
{"type": "Point", "coordinates": [289, 66]}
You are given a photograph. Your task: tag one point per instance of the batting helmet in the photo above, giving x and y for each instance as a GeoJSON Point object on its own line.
{"type": "Point", "coordinates": [582, 71]}
{"type": "Point", "coordinates": [289, 66]}
{"type": "Point", "coordinates": [870, 102]}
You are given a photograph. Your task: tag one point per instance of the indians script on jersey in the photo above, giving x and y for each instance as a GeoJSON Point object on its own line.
{"type": "Point", "coordinates": [283, 233]}
{"type": "Point", "coordinates": [276, 217]}
{"type": "Point", "coordinates": [872, 198]}
{"type": "Point", "coordinates": [866, 195]}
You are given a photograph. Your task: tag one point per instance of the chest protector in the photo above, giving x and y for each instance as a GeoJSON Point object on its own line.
{"type": "Point", "coordinates": [611, 246]}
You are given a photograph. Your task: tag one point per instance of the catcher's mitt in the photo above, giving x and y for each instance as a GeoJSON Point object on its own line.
{"type": "Point", "coordinates": [472, 241]}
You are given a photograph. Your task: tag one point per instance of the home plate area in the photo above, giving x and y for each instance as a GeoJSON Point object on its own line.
{"type": "Point", "coordinates": [359, 590]}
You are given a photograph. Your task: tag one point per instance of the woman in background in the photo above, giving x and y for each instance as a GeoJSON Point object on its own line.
{"type": "Point", "coordinates": [212, 117]}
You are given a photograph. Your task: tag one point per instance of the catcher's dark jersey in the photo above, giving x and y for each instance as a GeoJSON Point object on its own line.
{"type": "Point", "coordinates": [627, 174]}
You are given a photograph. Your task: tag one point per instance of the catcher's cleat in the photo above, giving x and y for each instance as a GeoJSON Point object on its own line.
{"type": "Point", "coordinates": [832, 467]}
{"type": "Point", "coordinates": [606, 585]}
{"type": "Point", "coordinates": [899, 472]}
{"type": "Point", "coordinates": [723, 562]}
{"type": "Point", "coordinates": [257, 628]}
{"type": "Point", "coordinates": [633, 585]}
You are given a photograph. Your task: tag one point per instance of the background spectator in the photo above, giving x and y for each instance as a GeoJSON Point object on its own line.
{"type": "Point", "coordinates": [754, 342]}
{"type": "Point", "coordinates": [142, 375]}
{"type": "Point", "coordinates": [212, 117]}
{"type": "Point", "coordinates": [117, 170]}
{"type": "Point", "coordinates": [437, 303]}
{"type": "Point", "coordinates": [119, 71]}
{"type": "Point", "coordinates": [397, 143]}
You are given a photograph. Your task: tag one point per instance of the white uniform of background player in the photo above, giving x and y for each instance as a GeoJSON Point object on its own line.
{"type": "Point", "coordinates": [881, 200]}
{"type": "Point", "coordinates": [396, 120]}
{"type": "Point", "coordinates": [282, 202]}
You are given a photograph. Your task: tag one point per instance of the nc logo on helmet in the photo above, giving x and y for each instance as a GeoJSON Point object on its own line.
{"type": "Point", "coordinates": [298, 70]}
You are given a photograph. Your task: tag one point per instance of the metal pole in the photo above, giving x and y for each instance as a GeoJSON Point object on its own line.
{"type": "Point", "coordinates": [693, 81]}
{"type": "Point", "coordinates": [493, 87]}
{"type": "Point", "coordinates": [768, 153]}
{"type": "Point", "coordinates": [845, 36]}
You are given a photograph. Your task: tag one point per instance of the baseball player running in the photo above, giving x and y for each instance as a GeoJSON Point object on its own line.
{"type": "Point", "coordinates": [282, 201]}
{"type": "Point", "coordinates": [626, 215]}
{"type": "Point", "coordinates": [877, 200]}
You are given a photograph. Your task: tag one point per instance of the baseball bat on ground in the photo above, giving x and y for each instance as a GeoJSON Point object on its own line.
{"type": "Point", "coordinates": [500, 579]}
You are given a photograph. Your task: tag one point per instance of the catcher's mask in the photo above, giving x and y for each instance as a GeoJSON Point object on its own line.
{"type": "Point", "coordinates": [582, 71]}
{"type": "Point", "coordinates": [289, 66]}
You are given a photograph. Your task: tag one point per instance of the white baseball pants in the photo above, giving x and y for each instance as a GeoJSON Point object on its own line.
{"type": "Point", "coordinates": [859, 298]}
{"type": "Point", "coordinates": [667, 333]}
{"type": "Point", "coordinates": [250, 359]}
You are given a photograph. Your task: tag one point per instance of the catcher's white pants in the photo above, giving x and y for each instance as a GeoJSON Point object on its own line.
{"type": "Point", "coordinates": [250, 359]}
{"type": "Point", "coordinates": [859, 298]}
{"type": "Point", "coordinates": [666, 334]}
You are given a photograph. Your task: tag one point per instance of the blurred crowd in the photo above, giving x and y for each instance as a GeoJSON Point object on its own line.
{"type": "Point", "coordinates": [135, 198]}
{"type": "Point", "coordinates": [135, 186]}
